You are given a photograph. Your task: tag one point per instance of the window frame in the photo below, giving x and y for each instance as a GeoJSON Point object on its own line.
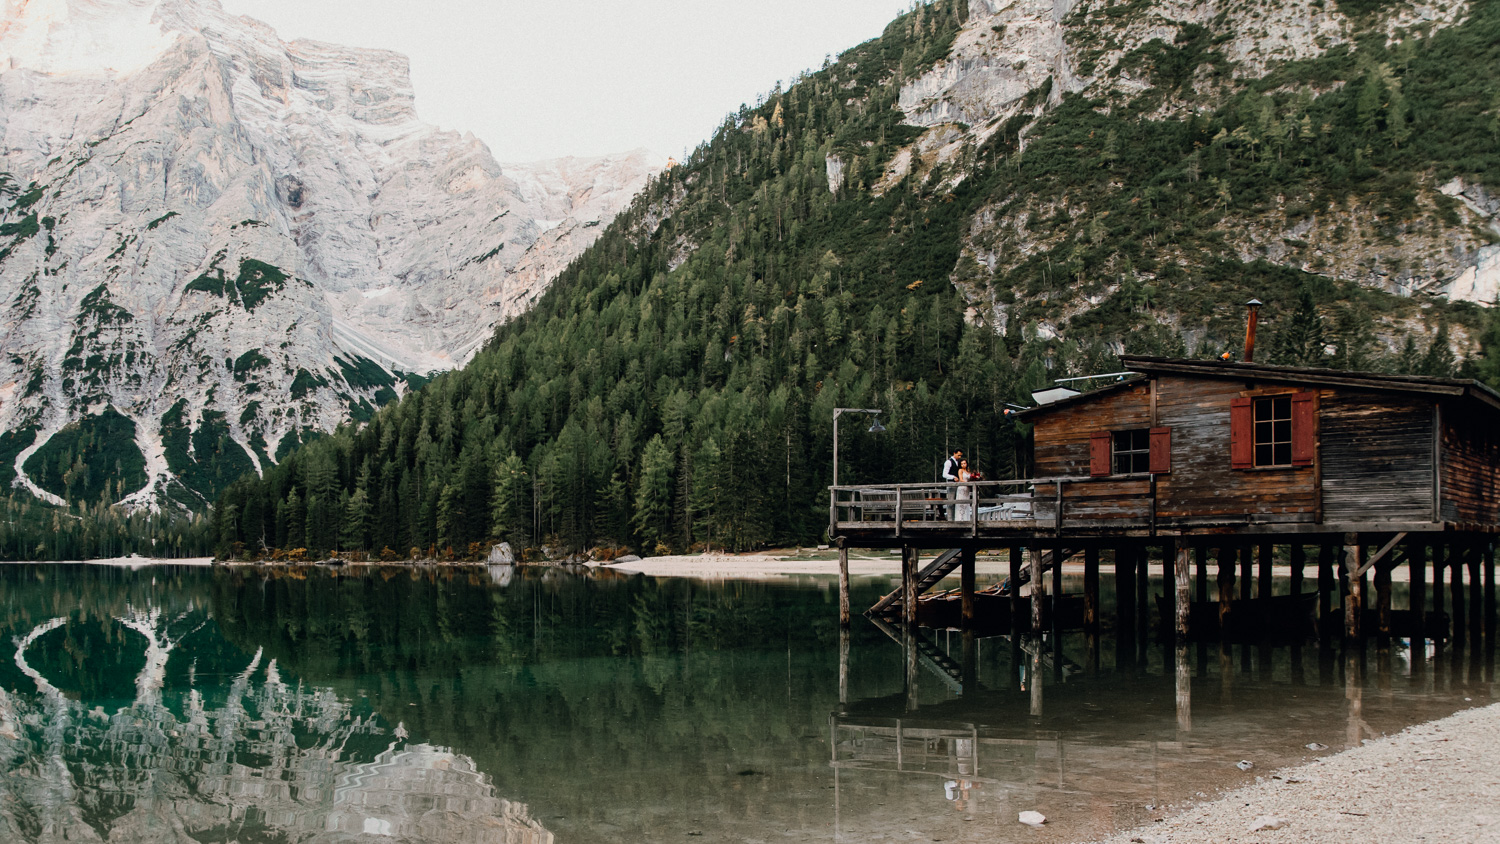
{"type": "Point", "coordinates": [1271, 436]}
{"type": "Point", "coordinates": [1138, 454]}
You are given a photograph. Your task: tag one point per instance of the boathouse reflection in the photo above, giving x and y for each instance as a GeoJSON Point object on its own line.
{"type": "Point", "coordinates": [1006, 723]}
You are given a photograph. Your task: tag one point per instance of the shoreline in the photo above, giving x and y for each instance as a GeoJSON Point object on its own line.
{"type": "Point", "coordinates": [1433, 782]}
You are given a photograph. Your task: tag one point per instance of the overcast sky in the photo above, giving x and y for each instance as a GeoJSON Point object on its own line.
{"type": "Point", "coordinates": [546, 78]}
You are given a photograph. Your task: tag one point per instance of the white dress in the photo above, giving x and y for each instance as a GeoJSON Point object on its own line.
{"type": "Point", "coordinates": [963, 512]}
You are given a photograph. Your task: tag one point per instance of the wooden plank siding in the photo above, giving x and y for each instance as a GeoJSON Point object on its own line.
{"type": "Point", "coordinates": [1203, 482]}
{"type": "Point", "coordinates": [1470, 489]}
{"type": "Point", "coordinates": [1376, 451]}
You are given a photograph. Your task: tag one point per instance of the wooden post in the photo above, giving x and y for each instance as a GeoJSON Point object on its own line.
{"type": "Point", "coordinates": [970, 663]}
{"type": "Point", "coordinates": [1354, 600]}
{"type": "Point", "coordinates": [1038, 592]}
{"type": "Point", "coordinates": [910, 635]}
{"type": "Point", "coordinates": [1182, 583]}
{"type": "Point", "coordinates": [1015, 590]}
{"type": "Point", "coordinates": [1416, 567]}
{"type": "Point", "coordinates": [1263, 577]}
{"type": "Point", "coordinates": [1143, 596]}
{"type": "Point", "coordinates": [843, 584]}
{"type": "Point", "coordinates": [909, 586]}
{"type": "Point", "coordinates": [1226, 587]}
{"type": "Point", "coordinates": [1456, 582]}
{"type": "Point", "coordinates": [1298, 555]}
{"type": "Point", "coordinates": [966, 578]}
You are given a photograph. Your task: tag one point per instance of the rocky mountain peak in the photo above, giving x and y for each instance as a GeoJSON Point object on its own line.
{"type": "Point", "coordinates": [232, 243]}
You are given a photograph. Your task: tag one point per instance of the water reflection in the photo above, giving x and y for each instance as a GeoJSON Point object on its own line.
{"type": "Point", "coordinates": [497, 704]}
{"type": "Point", "coordinates": [205, 742]}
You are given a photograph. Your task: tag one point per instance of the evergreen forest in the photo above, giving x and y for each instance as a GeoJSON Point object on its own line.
{"type": "Point", "coordinates": [675, 388]}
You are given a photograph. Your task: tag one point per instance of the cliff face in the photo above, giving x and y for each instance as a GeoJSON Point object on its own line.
{"type": "Point", "coordinates": [236, 242]}
{"type": "Point", "coordinates": [1161, 63]}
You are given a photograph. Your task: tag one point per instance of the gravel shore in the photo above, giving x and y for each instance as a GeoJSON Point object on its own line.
{"type": "Point", "coordinates": [1435, 782]}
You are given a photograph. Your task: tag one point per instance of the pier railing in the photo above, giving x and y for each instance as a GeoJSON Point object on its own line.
{"type": "Point", "coordinates": [977, 506]}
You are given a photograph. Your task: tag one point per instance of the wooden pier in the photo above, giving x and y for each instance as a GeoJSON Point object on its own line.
{"type": "Point", "coordinates": [1189, 466]}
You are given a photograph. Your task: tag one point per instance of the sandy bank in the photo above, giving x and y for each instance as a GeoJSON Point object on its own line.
{"type": "Point", "coordinates": [133, 561]}
{"type": "Point", "coordinates": [1436, 782]}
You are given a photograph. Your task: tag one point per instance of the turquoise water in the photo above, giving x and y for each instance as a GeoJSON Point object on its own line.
{"type": "Point", "coordinates": [496, 705]}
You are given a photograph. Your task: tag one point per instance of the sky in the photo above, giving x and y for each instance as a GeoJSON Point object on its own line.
{"type": "Point", "coordinates": [538, 79]}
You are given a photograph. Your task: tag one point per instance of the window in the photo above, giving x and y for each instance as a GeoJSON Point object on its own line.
{"type": "Point", "coordinates": [1273, 431]}
{"type": "Point", "coordinates": [1132, 451]}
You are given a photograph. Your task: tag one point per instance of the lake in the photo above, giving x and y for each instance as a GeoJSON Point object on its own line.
{"type": "Point", "coordinates": [536, 705]}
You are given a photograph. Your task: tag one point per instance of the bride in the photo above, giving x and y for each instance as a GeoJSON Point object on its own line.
{"type": "Point", "coordinates": [963, 512]}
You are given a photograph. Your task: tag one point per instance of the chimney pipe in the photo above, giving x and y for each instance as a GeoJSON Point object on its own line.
{"type": "Point", "coordinates": [1254, 306]}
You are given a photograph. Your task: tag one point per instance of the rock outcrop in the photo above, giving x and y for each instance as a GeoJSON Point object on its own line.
{"type": "Point", "coordinates": [237, 242]}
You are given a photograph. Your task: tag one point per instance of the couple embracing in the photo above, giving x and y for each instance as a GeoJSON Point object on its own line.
{"type": "Point", "coordinates": [956, 471]}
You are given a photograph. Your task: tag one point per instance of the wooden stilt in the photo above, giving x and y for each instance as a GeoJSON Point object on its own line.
{"type": "Point", "coordinates": [1015, 590]}
{"type": "Point", "coordinates": [1247, 554]}
{"type": "Point", "coordinates": [1263, 576]}
{"type": "Point", "coordinates": [1456, 585]}
{"type": "Point", "coordinates": [909, 586]}
{"type": "Point", "coordinates": [966, 586]}
{"type": "Point", "coordinates": [1354, 598]}
{"type": "Point", "coordinates": [1226, 586]}
{"type": "Point", "coordinates": [1143, 598]}
{"type": "Point", "coordinates": [1416, 576]}
{"type": "Point", "coordinates": [1038, 591]}
{"type": "Point", "coordinates": [1182, 583]}
{"type": "Point", "coordinates": [844, 612]}
{"type": "Point", "coordinates": [910, 635]}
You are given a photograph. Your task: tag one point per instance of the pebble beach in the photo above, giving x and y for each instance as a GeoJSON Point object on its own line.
{"type": "Point", "coordinates": [1434, 782]}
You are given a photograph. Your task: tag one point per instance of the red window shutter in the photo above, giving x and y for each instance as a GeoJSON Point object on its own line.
{"type": "Point", "coordinates": [1304, 428]}
{"type": "Point", "coordinates": [1241, 434]}
{"type": "Point", "coordinates": [1099, 453]}
{"type": "Point", "coordinates": [1161, 451]}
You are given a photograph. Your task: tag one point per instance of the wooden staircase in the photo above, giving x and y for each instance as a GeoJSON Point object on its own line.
{"type": "Point", "coordinates": [943, 565]}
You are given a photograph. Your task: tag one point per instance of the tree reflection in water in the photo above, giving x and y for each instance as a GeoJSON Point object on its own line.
{"type": "Point", "coordinates": [203, 742]}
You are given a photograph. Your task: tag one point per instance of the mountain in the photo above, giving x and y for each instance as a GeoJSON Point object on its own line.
{"type": "Point", "coordinates": [985, 198]}
{"type": "Point", "coordinates": [215, 245]}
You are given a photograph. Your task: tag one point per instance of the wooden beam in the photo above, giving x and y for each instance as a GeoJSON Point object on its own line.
{"type": "Point", "coordinates": [1354, 598]}
{"type": "Point", "coordinates": [1015, 590]}
{"type": "Point", "coordinates": [844, 612]}
{"type": "Point", "coordinates": [909, 586]}
{"type": "Point", "coordinates": [1380, 555]}
{"type": "Point", "coordinates": [1263, 575]}
{"type": "Point", "coordinates": [1476, 597]}
{"type": "Point", "coordinates": [1182, 584]}
{"type": "Point", "coordinates": [1416, 562]}
{"type": "Point", "coordinates": [1456, 587]}
{"type": "Point", "coordinates": [966, 587]}
{"type": "Point", "coordinates": [1226, 585]}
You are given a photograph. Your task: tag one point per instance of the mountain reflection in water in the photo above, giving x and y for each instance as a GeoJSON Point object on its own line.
{"type": "Point", "coordinates": [396, 704]}
{"type": "Point", "coordinates": [207, 743]}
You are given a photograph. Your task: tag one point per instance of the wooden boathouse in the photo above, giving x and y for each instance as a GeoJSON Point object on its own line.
{"type": "Point", "coordinates": [1185, 462]}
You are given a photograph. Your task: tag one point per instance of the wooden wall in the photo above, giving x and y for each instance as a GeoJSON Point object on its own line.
{"type": "Point", "coordinates": [1470, 490]}
{"type": "Point", "coordinates": [1374, 458]}
{"type": "Point", "coordinates": [1202, 482]}
{"type": "Point", "coordinates": [1376, 451]}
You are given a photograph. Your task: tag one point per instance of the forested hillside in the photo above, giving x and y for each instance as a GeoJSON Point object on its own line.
{"type": "Point", "coordinates": [676, 386]}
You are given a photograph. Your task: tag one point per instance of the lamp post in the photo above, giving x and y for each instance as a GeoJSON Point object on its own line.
{"type": "Point", "coordinates": [875, 428]}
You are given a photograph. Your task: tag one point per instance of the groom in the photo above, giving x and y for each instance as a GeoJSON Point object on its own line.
{"type": "Point", "coordinates": [950, 474]}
